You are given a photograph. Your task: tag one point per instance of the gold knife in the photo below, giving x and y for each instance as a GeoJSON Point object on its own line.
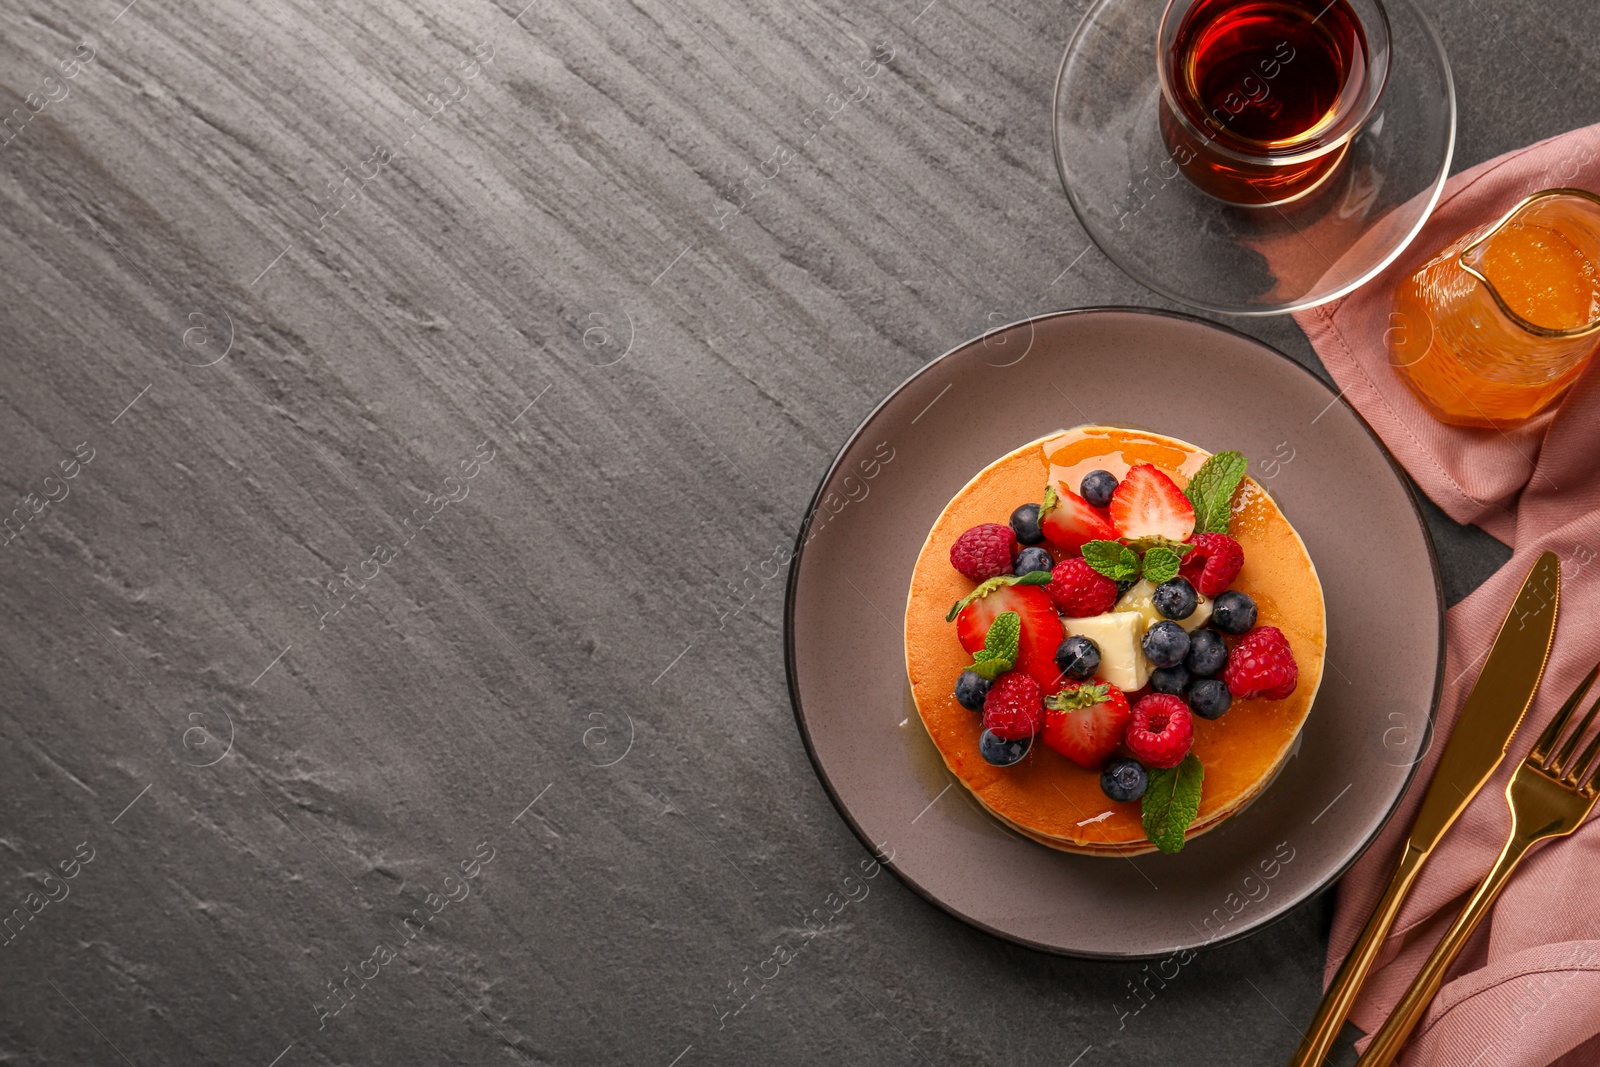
{"type": "Point", "coordinates": [1494, 708]}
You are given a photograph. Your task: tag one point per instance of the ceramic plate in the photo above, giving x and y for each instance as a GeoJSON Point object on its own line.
{"type": "Point", "coordinates": [1196, 381]}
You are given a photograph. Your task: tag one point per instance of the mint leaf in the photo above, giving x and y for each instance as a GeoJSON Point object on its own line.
{"type": "Point", "coordinates": [1084, 696]}
{"type": "Point", "coordinates": [988, 665]}
{"type": "Point", "coordinates": [1112, 559]}
{"type": "Point", "coordinates": [1161, 565]}
{"type": "Point", "coordinates": [1211, 491]}
{"type": "Point", "coordinates": [1051, 500]}
{"type": "Point", "coordinates": [999, 651]}
{"type": "Point", "coordinates": [1171, 801]}
{"type": "Point", "coordinates": [1004, 633]}
{"type": "Point", "coordinates": [999, 582]}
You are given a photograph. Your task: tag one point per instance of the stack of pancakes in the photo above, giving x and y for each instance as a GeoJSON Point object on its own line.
{"type": "Point", "coordinates": [1046, 797]}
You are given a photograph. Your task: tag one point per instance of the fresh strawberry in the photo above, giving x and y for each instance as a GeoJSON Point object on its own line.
{"type": "Point", "coordinates": [1085, 723]}
{"type": "Point", "coordinates": [1013, 709]}
{"type": "Point", "coordinates": [1079, 590]}
{"type": "Point", "coordinates": [1042, 632]}
{"type": "Point", "coordinates": [1074, 521]}
{"type": "Point", "coordinates": [984, 551]}
{"type": "Point", "coordinates": [1261, 665]}
{"type": "Point", "coordinates": [1213, 563]}
{"type": "Point", "coordinates": [1160, 731]}
{"type": "Point", "coordinates": [1149, 504]}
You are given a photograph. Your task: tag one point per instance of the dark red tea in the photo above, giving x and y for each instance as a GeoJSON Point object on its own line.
{"type": "Point", "coordinates": [1266, 73]}
{"type": "Point", "coordinates": [1261, 79]}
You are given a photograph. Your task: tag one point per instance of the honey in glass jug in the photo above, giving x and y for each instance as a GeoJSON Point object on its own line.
{"type": "Point", "coordinates": [1493, 329]}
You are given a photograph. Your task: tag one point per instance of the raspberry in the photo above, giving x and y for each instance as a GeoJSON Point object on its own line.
{"type": "Point", "coordinates": [984, 551]}
{"type": "Point", "coordinates": [1079, 590]}
{"type": "Point", "coordinates": [1014, 708]}
{"type": "Point", "coordinates": [1161, 730]}
{"type": "Point", "coordinates": [1261, 665]}
{"type": "Point", "coordinates": [1213, 563]}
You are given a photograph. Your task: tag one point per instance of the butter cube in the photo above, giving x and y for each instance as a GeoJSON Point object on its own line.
{"type": "Point", "coordinates": [1118, 634]}
{"type": "Point", "coordinates": [1138, 598]}
{"type": "Point", "coordinates": [1202, 612]}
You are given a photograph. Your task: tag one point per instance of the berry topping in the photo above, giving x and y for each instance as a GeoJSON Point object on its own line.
{"type": "Point", "coordinates": [1032, 559]}
{"type": "Point", "coordinates": [1041, 630]}
{"type": "Point", "coordinates": [1161, 730]}
{"type": "Point", "coordinates": [1233, 612]}
{"type": "Point", "coordinates": [1002, 753]}
{"type": "Point", "coordinates": [1124, 779]}
{"type": "Point", "coordinates": [1013, 709]}
{"type": "Point", "coordinates": [971, 688]}
{"type": "Point", "coordinates": [1097, 487]}
{"type": "Point", "coordinates": [1261, 665]}
{"type": "Point", "coordinates": [1086, 723]}
{"type": "Point", "coordinates": [1025, 524]}
{"type": "Point", "coordinates": [1209, 698]}
{"type": "Point", "coordinates": [984, 551]}
{"type": "Point", "coordinates": [1071, 522]}
{"type": "Point", "coordinates": [1213, 563]}
{"type": "Point", "coordinates": [1150, 504]}
{"type": "Point", "coordinates": [1207, 653]}
{"type": "Point", "coordinates": [1079, 590]}
{"type": "Point", "coordinates": [1175, 599]}
{"type": "Point", "coordinates": [1169, 680]}
{"type": "Point", "coordinates": [1078, 657]}
{"type": "Point", "coordinates": [1165, 644]}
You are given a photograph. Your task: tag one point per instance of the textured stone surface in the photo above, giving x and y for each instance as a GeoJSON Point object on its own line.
{"type": "Point", "coordinates": [538, 277]}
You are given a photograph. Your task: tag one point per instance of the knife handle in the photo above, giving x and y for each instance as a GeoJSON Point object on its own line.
{"type": "Point", "coordinates": [1389, 1039]}
{"type": "Point", "coordinates": [1341, 994]}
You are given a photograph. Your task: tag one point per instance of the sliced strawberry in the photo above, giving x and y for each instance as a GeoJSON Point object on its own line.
{"type": "Point", "coordinates": [1149, 504]}
{"type": "Point", "coordinates": [1042, 632]}
{"type": "Point", "coordinates": [1086, 735]}
{"type": "Point", "coordinates": [1074, 521]}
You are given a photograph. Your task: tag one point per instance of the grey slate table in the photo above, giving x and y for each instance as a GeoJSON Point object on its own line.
{"type": "Point", "coordinates": [429, 376]}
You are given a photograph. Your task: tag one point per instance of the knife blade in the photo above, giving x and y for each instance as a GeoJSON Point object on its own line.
{"type": "Point", "coordinates": [1495, 707]}
{"type": "Point", "coordinates": [1489, 718]}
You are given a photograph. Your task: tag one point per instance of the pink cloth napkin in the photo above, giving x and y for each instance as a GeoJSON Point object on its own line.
{"type": "Point", "coordinates": [1526, 992]}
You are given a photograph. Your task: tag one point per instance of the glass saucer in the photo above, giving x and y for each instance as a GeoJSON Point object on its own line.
{"type": "Point", "coordinates": [1184, 244]}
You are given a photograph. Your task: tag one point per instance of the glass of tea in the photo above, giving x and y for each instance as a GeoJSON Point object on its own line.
{"type": "Point", "coordinates": [1260, 98]}
{"type": "Point", "coordinates": [1493, 329]}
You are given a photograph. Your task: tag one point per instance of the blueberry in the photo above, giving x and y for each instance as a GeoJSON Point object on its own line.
{"type": "Point", "coordinates": [1002, 753]}
{"type": "Point", "coordinates": [1209, 697]}
{"type": "Point", "coordinates": [1025, 524]}
{"type": "Point", "coordinates": [971, 688]}
{"type": "Point", "coordinates": [1124, 779]}
{"type": "Point", "coordinates": [1122, 586]}
{"type": "Point", "coordinates": [1165, 644]}
{"type": "Point", "coordinates": [1032, 559]}
{"type": "Point", "coordinates": [1097, 487]}
{"type": "Point", "coordinates": [1233, 612]}
{"type": "Point", "coordinates": [1207, 654]}
{"type": "Point", "coordinates": [1169, 679]}
{"type": "Point", "coordinates": [1078, 657]}
{"type": "Point", "coordinates": [1175, 599]}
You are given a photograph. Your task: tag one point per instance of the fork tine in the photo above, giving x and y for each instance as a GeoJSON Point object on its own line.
{"type": "Point", "coordinates": [1547, 740]}
{"type": "Point", "coordinates": [1561, 761]}
{"type": "Point", "coordinates": [1580, 772]}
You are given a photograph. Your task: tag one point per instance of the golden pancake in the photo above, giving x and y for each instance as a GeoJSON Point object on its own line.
{"type": "Point", "coordinates": [1047, 797]}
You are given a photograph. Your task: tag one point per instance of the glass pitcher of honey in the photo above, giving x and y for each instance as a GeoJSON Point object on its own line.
{"type": "Point", "coordinates": [1493, 329]}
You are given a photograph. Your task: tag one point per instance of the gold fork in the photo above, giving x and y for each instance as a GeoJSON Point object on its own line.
{"type": "Point", "coordinates": [1550, 796]}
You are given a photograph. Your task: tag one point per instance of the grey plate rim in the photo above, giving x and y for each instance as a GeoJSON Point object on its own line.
{"type": "Point", "coordinates": [790, 673]}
